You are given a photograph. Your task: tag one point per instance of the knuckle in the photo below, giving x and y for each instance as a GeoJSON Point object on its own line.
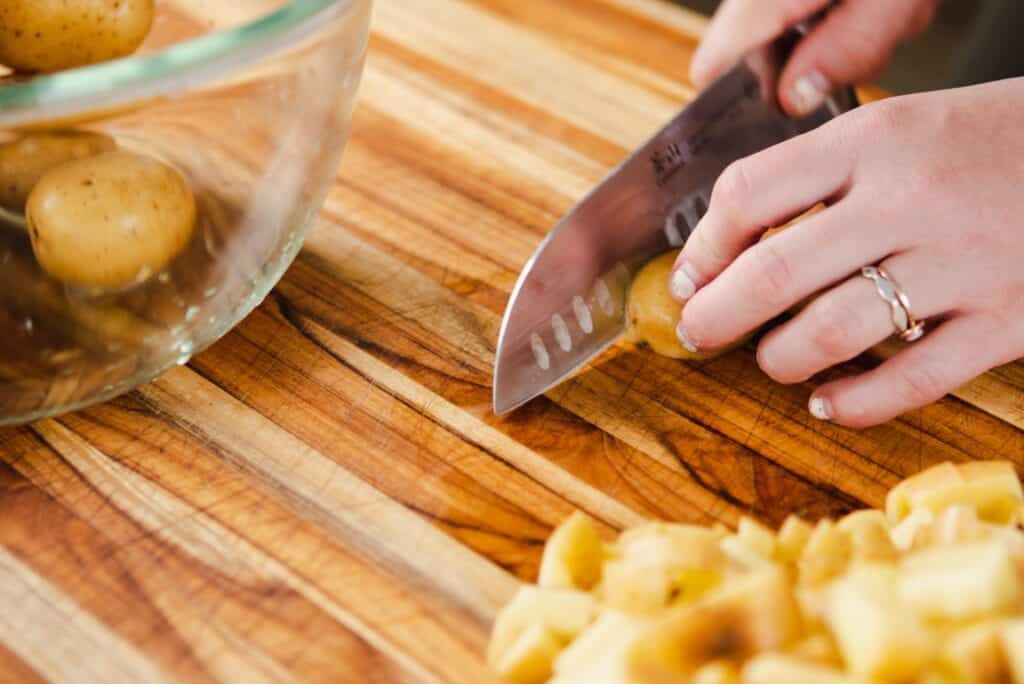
{"type": "Point", "coordinates": [709, 253]}
{"type": "Point", "coordinates": [833, 335]}
{"type": "Point", "coordinates": [771, 276]}
{"type": "Point", "coordinates": [732, 189]}
{"type": "Point", "coordinates": [921, 384]}
{"type": "Point", "coordinates": [881, 117]}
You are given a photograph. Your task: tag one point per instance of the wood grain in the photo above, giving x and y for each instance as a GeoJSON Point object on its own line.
{"type": "Point", "coordinates": [324, 495]}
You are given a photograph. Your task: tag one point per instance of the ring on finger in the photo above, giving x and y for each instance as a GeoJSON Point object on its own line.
{"type": "Point", "coordinates": [906, 325]}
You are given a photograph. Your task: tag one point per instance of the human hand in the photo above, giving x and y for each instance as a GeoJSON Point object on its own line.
{"type": "Point", "coordinates": [854, 42]}
{"type": "Point", "coordinates": [928, 185]}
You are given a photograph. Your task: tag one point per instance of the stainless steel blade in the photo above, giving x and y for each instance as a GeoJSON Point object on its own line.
{"type": "Point", "coordinates": [569, 303]}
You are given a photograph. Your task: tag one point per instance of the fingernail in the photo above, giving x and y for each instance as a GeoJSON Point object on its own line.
{"type": "Point", "coordinates": [809, 92]}
{"type": "Point", "coordinates": [681, 285]}
{"type": "Point", "coordinates": [685, 339]}
{"type": "Point", "coordinates": [821, 408]}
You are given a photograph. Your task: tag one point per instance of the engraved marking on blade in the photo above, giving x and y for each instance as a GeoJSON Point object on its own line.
{"type": "Point", "coordinates": [583, 317]}
{"type": "Point", "coordinates": [604, 298]}
{"type": "Point", "coordinates": [540, 352]}
{"type": "Point", "coordinates": [561, 331]}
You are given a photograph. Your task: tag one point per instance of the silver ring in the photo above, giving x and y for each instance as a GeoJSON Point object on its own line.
{"type": "Point", "coordinates": [907, 326]}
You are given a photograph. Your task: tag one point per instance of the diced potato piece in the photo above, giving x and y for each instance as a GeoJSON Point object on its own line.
{"type": "Point", "coordinates": [826, 554]}
{"type": "Point", "coordinates": [757, 537]}
{"type": "Point", "coordinates": [1012, 637]}
{"type": "Point", "coordinates": [529, 658]}
{"type": "Point", "coordinates": [992, 487]}
{"type": "Point", "coordinates": [751, 614]}
{"type": "Point", "coordinates": [681, 546]}
{"type": "Point", "coordinates": [635, 587]}
{"type": "Point", "coordinates": [868, 532]}
{"type": "Point", "coordinates": [565, 612]}
{"type": "Point", "coordinates": [774, 668]}
{"type": "Point", "coordinates": [955, 525]}
{"type": "Point", "coordinates": [716, 673]}
{"type": "Point", "coordinates": [573, 555]}
{"type": "Point", "coordinates": [913, 531]}
{"type": "Point", "coordinates": [792, 538]}
{"type": "Point", "coordinates": [960, 582]}
{"type": "Point", "coordinates": [907, 496]}
{"type": "Point", "coordinates": [975, 655]}
{"type": "Point", "coordinates": [598, 655]}
{"type": "Point", "coordinates": [818, 648]}
{"type": "Point", "coordinates": [879, 638]}
{"type": "Point", "coordinates": [742, 556]}
{"type": "Point", "coordinates": [661, 563]}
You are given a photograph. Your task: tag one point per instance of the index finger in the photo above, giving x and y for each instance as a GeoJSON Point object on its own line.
{"type": "Point", "coordinates": [740, 26]}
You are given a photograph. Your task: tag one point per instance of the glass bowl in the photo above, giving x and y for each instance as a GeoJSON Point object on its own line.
{"type": "Point", "coordinates": [251, 101]}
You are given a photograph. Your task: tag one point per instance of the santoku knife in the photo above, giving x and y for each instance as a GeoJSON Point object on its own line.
{"type": "Point", "coordinates": [569, 303]}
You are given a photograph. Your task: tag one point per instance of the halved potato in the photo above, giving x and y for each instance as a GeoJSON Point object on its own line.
{"type": "Point", "coordinates": [992, 487]}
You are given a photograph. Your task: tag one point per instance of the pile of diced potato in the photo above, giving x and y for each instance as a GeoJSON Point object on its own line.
{"type": "Point", "coordinates": [931, 590]}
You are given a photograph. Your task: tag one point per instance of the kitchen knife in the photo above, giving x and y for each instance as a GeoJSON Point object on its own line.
{"type": "Point", "coordinates": [569, 303]}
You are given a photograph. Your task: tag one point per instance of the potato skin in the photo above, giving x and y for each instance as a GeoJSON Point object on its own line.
{"type": "Point", "coordinates": [111, 220]}
{"type": "Point", "coordinates": [653, 313]}
{"type": "Point", "coordinates": [52, 35]}
{"type": "Point", "coordinates": [24, 161]}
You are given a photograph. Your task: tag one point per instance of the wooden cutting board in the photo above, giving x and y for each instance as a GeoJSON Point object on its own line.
{"type": "Point", "coordinates": [324, 495]}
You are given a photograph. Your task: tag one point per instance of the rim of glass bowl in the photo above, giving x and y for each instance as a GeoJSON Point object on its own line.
{"type": "Point", "coordinates": [180, 67]}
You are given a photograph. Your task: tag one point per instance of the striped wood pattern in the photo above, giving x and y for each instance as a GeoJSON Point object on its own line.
{"type": "Point", "coordinates": [324, 496]}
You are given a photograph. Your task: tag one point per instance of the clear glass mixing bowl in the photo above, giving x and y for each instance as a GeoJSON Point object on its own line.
{"type": "Point", "coordinates": [251, 101]}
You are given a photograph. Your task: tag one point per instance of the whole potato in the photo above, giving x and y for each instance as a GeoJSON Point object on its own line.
{"type": "Point", "coordinates": [111, 220]}
{"type": "Point", "coordinates": [51, 35]}
{"type": "Point", "coordinates": [24, 161]}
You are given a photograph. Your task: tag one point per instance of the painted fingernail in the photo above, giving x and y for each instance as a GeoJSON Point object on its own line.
{"type": "Point", "coordinates": [685, 339]}
{"type": "Point", "coordinates": [809, 92]}
{"type": "Point", "coordinates": [681, 285]}
{"type": "Point", "coordinates": [821, 408]}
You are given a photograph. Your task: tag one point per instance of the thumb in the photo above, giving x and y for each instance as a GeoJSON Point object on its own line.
{"type": "Point", "coordinates": [853, 43]}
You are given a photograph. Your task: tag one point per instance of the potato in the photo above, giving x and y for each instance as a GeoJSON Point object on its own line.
{"type": "Point", "coordinates": [960, 582]}
{"type": "Point", "coordinates": [753, 614]}
{"type": "Point", "coordinates": [992, 487]}
{"type": "Point", "coordinates": [111, 220]}
{"type": "Point", "coordinates": [976, 655]}
{"type": "Point", "coordinates": [1012, 641]}
{"type": "Point", "coordinates": [529, 658]}
{"type": "Point", "coordinates": [879, 639]}
{"type": "Point", "coordinates": [792, 538]}
{"type": "Point", "coordinates": [868, 532]}
{"type": "Point", "coordinates": [654, 314]}
{"type": "Point", "coordinates": [47, 35]}
{"type": "Point", "coordinates": [826, 554]}
{"type": "Point", "coordinates": [26, 160]}
{"type": "Point", "coordinates": [573, 555]}
{"type": "Point", "coordinates": [565, 612]}
{"type": "Point", "coordinates": [598, 655]}
{"type": "Point", "coordinates": [773, 668]}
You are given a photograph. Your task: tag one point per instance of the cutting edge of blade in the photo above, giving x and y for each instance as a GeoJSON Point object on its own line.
{"type": "Point", "coordinates": [524, 275]}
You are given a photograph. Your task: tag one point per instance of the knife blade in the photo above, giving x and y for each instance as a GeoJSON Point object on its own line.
{"type": "Point", "coordinates": [569, 303]}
